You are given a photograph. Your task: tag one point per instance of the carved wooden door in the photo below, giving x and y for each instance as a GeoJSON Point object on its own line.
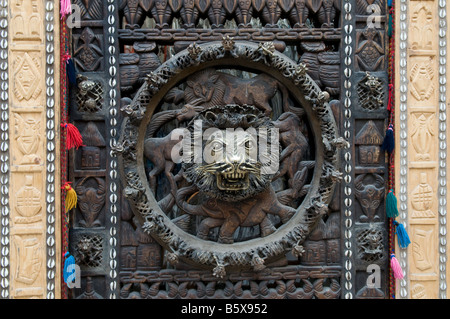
{"type": "Point", "coordinates": [158, 217]}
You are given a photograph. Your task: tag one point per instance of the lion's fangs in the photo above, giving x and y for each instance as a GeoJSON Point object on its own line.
{"type": "Point", "coordinates": [233, 181]}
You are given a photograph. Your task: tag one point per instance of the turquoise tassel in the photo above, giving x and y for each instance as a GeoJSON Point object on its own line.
{"type": "Point", "coordinates": [390, 23]}
{"type": "Point", "coordinates": [68, 262]}
{"type": "Point", "coordinates": [402, 235]}
{"type": "Point", "coordinates": [391, 205]}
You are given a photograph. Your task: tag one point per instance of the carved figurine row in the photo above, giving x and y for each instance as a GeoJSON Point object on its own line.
{"type": "Point", "coordinates": [218, 12]}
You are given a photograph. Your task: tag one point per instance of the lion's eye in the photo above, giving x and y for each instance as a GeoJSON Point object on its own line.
{"type": "Point", "coordinates": [216, 146]}
{"type": "Point", "coordinates": [249, 145]}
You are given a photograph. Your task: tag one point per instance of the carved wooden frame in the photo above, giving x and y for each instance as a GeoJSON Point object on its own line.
{"type": "Point", "coordinates": [187, 247]}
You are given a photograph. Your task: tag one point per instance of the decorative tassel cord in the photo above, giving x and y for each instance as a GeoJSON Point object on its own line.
{"type": "Point", "coordinates": [64, 49]}
{"type": "Point", "coordinates": [395, 271]}
{"type": "Point", "coordinates": [65, 8]}
{"type": "Point", "coordinates": [70, 138]}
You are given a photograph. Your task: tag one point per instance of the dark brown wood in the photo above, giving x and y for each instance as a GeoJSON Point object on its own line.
{"type": "Point", "coordinates": [154, 259]}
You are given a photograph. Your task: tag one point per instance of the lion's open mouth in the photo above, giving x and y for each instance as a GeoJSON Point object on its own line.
{"type": "Point", "coordinates": [233, 181]}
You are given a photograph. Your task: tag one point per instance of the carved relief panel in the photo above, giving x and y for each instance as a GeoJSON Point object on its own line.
{"type": "Point", "coordinates": [27, 21]}
{"type": "Point", "coordinates": [30, 142]}
{"type": "Point", "coordinates": [26, 83]}
{"type": "Point", "coordinates": [426, 150]}
{"type": "Point", "coordinates": [128, 104]}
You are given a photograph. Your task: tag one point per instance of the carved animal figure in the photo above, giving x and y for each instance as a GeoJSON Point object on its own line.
{"type": "Point", "coordinates": [370, 196]}
{"type": "Point", "coordinates": [88, 253]}
{"type": "Point", "coordinates": [325, 10]}
{"type": "Point", "coordinates": [236, 191]}
{"type": "Point", "coordinates": [230, 215]}
{"type": "Point", "coordinates": [134, 12]}
{"type": "Point", "coordinates": [90, 201]}
{"type": "Point", "coordinates": [294, 143]}
{"type": "Point", "coordinates": [210, 88]}
{"type": "Point", "coordinates": [299, 14]}
{"type": "Point", "coordinates": [158, 150]}
{"type": "Point", "coordinates": [231, 167]}
{"type": "Point", "coordinates": [186, 113]}
{"type": "Point", "coordinates": [288, 196]}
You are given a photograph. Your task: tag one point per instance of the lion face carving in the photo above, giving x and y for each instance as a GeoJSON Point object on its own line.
{"type": "Point", "coordinates": [233, 165]}
{"type": "Point", "coordinates": [239, 152]}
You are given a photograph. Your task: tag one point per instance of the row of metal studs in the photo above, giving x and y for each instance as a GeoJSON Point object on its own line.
{"type": "Point", "coordinates": [403, 149]}
{"type": "Point", "coordinates": [442, 191]}
{"type": "Point", "coordinates": [51, 147]}
{"type": "Point", "coordinates": [112, 94]}
{"type": "Point", "coordinates": [348, 202]}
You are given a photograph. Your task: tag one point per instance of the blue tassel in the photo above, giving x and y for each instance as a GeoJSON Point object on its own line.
{"type": "Point", "coordinates": [68, 262]}
{"type": "Point", "coordinates": [71, 72]}
{"type": "Point", "coordinates": [391, 205]}
{"type": "Point", "coordinates": [402, 235]}
{"type": "Point", "coordinates": [388, 142]}
{"type": "Point", "coordinates": [389, 3]}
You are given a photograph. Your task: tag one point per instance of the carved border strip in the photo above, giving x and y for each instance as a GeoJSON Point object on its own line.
{"type": "Point", "coordinates": [403, 145]}
{"type": "Point", "coordinates": [442, 191]}
{"type": "Point", "coordinates": [348, 158]}
{"type": "Point", "coordinates": [4, 151]}
{"type": "Point", "coordinates": [299, 34]}
{"type": "Point", "coordinates": [177, 280]}
{"type": "Point", "coordinates": [113, 186]}
{"type": "Point", "coordinates": [276, 273]}
{"type": "Point", "coordinates": [51, 166]}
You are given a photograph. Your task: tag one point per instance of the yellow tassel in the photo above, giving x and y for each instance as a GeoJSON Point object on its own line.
{"type": "Point", "coordinates": [71, 197]}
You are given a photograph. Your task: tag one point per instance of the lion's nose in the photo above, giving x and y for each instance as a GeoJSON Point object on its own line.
{"type": "Point", "coordinates": [234, 158]}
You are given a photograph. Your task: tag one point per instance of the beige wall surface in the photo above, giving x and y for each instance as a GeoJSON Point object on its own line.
{"type": "Point", "coordinates": [29, 73]}
{"type": "Point", "coordinates": [421, 150]}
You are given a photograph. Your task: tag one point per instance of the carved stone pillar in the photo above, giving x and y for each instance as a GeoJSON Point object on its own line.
{"type": "Point", "coordinates": [30, 234]}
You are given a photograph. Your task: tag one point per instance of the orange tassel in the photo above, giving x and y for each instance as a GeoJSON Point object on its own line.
{"type": "Point", "coordinates": [74, 138]}
{"type": "Point", "coordinates": [71, 196]}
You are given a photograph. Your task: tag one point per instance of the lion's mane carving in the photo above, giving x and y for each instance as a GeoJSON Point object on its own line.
{"type": "Point", "coordinates": [235, 186]}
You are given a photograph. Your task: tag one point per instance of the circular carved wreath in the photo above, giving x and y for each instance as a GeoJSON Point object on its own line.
{"type": "Point", "coordinates": [233, 210]}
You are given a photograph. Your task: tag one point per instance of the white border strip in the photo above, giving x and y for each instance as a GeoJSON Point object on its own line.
{"type": "Point", "coordinates": [4, 147]}
{"type": "Point", "coordinates": [403, 149]}
{"type": "Point", "coordinates": [112, 94]}
{"type": "Point", "coordinates": [348, 202]}
{"type": "Point", "coordinates": [51, 147]}
{"type": "Point", "coordinates": [442, 188]}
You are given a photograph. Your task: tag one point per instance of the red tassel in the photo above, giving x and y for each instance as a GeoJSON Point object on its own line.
{"type": "Point", "coordinates": [391, 93]}
{"type": "Point", "coordinates": [396, 268]}
{"type": "Point", "coordinates": [74, 138]}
